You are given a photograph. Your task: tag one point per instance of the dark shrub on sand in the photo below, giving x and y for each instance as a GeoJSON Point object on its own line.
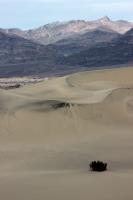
{"type": "Point", "coordinates": [98, 166]}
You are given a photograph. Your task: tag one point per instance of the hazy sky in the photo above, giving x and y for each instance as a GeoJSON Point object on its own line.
{"type": "Point", "coordinates": [33, 13]}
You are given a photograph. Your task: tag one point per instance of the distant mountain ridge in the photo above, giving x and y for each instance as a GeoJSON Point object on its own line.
{"type": "Point", "coordinates": [15, 49]}
{"type": "Point", "coordinates": [71, 46]}
{"type": "Point", "coordinates": [51, 33]}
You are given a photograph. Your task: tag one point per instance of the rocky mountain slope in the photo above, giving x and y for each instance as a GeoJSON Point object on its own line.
{"type": "Point", "coordinates": [80, 42]}
{"type": "Point", "coordinates": [54, 32]}
{"type": "Point", "coordinates": [15, 49]}
{"type": "Point", "coordinates": [119, 51]}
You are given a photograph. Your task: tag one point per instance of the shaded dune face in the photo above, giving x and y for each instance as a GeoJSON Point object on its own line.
{"type": "Point", "coordinates": [44, 106]}
{"type": "Point", "coordinates": [117, 101]}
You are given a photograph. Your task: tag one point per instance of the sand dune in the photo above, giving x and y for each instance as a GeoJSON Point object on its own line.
{"type": "Point", "coordinates": [50, 131]}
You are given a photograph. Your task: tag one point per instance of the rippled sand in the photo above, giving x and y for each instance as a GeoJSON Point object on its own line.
{"type": "Point", "coordinates": [50, 131]}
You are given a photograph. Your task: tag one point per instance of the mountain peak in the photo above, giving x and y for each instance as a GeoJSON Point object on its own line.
{"type": "Point", "coordinates": [105, 19]}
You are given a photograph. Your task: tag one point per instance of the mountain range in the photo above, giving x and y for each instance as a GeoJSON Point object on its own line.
{"type": "Point", "coordinates": [65, 46]}
{"type": "Point", "coordinates": [51, 33]}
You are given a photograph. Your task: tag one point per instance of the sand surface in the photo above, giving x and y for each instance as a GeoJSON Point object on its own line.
{"type": "Point", "coordinates": [49, 132]}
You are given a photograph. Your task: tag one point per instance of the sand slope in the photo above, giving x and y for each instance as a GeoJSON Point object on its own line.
{"type": "Point", "coordinates": [50, 131]}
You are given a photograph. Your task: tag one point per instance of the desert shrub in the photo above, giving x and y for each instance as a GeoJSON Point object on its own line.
{"type": "Point", "coordinates": [98, 166]}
